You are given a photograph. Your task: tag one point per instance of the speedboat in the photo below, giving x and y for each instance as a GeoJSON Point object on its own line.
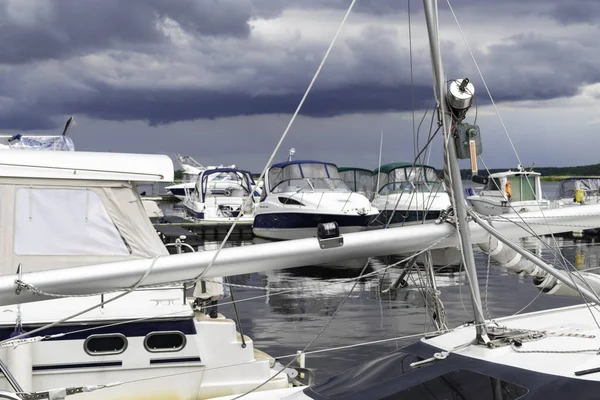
{"type": "Point", "coordinates": [300, 194]}
{"type": "Point", "coordinates": [359, 180]}
{"type": "Point", "coordinates": [191, 169]}
{"type": "Point", "coordinates": [409, 193]}
{"type": "Point", "coordinates": [524, 193]}
{"type": "Point", "coordinates": [220, 195]}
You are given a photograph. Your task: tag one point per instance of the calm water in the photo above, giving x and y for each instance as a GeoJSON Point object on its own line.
{"type": "Point", "coordinates": [282, 323]}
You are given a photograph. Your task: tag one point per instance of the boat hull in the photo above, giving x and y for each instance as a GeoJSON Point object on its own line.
{"type": "Point", "coordinates": [297, 225]}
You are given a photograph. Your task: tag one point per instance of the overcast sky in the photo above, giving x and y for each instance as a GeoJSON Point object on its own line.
{"type": "Point", "coordinates": [219, 79]}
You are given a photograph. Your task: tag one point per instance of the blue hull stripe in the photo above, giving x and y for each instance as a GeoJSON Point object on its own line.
{"type": "Point", "coordinates": [302, 220]}
{"type": "Point", "coordinates": [77, 365]}
{"type": "Point", "coordinates": [133, 329]}
{"type": "Point", "coordinates": [402, 216]}
{"type": "Point", "coordinates": [174, 360]}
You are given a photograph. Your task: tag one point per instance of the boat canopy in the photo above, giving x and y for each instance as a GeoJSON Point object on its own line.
{"type": "Point", "coordinates": [358, 179]}
{"type": "Point", "coordinates": [37, 142]}
{"type": "Point", "coordinates": [224, 182]}
{"type": "Point", "coordinates": [566, 188]}
{"type": "Point", "coordinates": [81, 165]}
{"type": "Point", "coordinates": [400, 173]}
{"type": "Point", "coordinates": [300, 170]}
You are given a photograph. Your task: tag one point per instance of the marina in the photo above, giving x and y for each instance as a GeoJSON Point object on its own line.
{"type": "Point", "coordinates": [338, 274]}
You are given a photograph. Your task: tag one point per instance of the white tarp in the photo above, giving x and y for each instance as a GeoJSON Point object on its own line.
{"type": "Point", "coordinates": [64, 222]}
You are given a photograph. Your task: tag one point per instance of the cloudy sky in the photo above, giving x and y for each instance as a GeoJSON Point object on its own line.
{"type": "Point", "coordinates": [219, 79]}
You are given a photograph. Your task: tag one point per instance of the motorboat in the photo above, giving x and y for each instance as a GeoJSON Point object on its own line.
{"type": "Point", "coordinates": [191, 169]}
{"type": "Point", "coordinates": [220, 195]}
{"type": "Point", "coordinates": [408, 193]}
{"type": "Point", "coordinates": [359, 180]}
{"type": "Point", "coordinates": [63, 210]}
{"type": "Point", "coordinates": [300, 194]}
{"type": "Point", "coordinates": [524, 190]}
{"type": "Point", "coordinates": [577, 191]}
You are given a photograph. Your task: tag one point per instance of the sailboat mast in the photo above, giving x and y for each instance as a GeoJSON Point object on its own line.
{"type": "Point", "coordinates": [451, 168]}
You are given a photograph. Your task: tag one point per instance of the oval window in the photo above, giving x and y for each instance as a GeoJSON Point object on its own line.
{"type": "Point", "coordinates": [97, 345]}
{"type": "Point", "coordinates": [164, 341]}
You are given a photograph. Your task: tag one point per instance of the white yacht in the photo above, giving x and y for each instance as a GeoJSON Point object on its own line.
{"type": "Point", "coordinates": [408, 193]}
{"type": "Point", "coordinates": [525, 190]}
{"type": "Point", "coordinates": [220, 195]}
{"type": "Point", "coordinates": [300, 194]}
{"type": "Point", "coordinates": [71, 209]}
{"type": "Point", "coordinates": [191, 170]}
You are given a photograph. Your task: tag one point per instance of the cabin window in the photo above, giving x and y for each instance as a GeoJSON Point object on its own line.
{"type": "Point", "coordinates": [464, 384]}
{"type": "Point", "coordinates": [157, 342]}
{"type": "Point", "coordinates": [527, 188]}
{"type": "Point", "coordinates": [100, 345]}
{"type": "Point", "coordinates": [64, 222]}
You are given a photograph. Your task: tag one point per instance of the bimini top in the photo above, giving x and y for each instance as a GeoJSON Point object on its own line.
{"type": "Point", "coordinates": [344, 169]}
{"type": "Point", "coordinates": [297, 170]}
{"type": "Point", "coordinates": [82, 165]}
{"type": "Point", "coordinates": [387, 168]}
{"type": "Point", "coordinates": [296, 162]}
{"type": "Point", "coordinates": [226, 170]}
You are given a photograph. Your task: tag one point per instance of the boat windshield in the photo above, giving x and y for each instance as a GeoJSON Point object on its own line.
{"type": "Point", "coordinates": [224, 183]}
{"type": "Point", "coordinates": [296, 177]}
{"type": "Point", "coordinates": [416, 174]}
{"type": "Point", "coordinates": [410, 187]}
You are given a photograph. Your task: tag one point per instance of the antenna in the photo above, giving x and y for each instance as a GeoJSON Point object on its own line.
{"type": "Point", "coordinates": [292, 152]}
{"type": "Point", "coordinates": [379, 163]}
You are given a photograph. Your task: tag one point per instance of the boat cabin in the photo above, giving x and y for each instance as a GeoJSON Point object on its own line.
{"type": "Point", "coordinates": [307, 175]}
{"type": "Point", "coordinates": [67, 208]}
{"type": "Point", "coordinates": [399, 177]}
{"type": "Point", "coordinates": [525, 185]}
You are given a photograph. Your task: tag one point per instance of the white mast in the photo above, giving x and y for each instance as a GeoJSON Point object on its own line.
{"type": "Point", "coordinates": [451, 168]}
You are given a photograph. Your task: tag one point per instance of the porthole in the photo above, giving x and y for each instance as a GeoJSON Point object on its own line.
{"type": "Point", "coordinates": [157, 342]}
{"type": "Point", "coordinates": [99, 345]}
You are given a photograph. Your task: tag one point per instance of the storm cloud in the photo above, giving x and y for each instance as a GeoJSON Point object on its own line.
{"type": "Point", "coordinates": [164, 62]}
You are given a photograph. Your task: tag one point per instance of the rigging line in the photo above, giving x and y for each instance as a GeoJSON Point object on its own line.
{"type": "Point", "coordinates": [60, 321]}
{"type": "Point", "coordinates": [483, 80]}
{"type": "Point", "coordinates": [283, 136]}
{"type": "Point", "coordinates": [412, 86]}
{"type": "Point", "coordinates": [569, 273]}
{"type": "Point", "coordinates": [202, 370]}
{"type": "Point", "coordinates": [315, 337]}
{"type": "Point", "coordinates": [337, 281]}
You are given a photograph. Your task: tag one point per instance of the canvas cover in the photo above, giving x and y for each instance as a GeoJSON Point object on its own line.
{"type": "Point", "coordinates": [53, 143]}
{"type": "Point", "coordinates": [567, 187]}
{"type": "Point", "coordinates": [54, 224]}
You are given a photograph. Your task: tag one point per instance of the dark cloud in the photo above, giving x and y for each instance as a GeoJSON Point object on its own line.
{"type": "Point", "coordinates": [32, 31]}
{"type": "Point", "coordinates": [166, 106]}
{"type": "Point", "coordinates": [573, 12]}
{"type": "Point", "coordinates": [162, 62]}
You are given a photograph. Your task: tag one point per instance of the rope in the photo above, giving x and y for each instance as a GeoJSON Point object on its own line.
{"type": "Point", "coordinates": [484, 82]}
{"type": "Point", "coordinates": [283, 136]}
{"type": "Point", "coordinates": [102, 303]}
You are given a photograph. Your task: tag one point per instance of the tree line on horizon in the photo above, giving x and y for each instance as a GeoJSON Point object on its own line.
{"type": "Point", "coordinates": [582, 170]}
